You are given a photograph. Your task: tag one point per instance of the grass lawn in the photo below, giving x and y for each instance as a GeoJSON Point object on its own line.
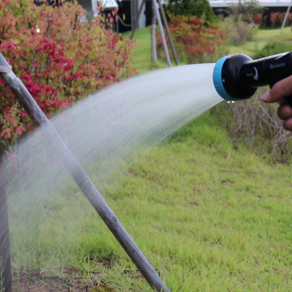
{"type": "Point", "coordinates": [207, 216]}
{"type": "Point", "coordinates": [262, 38]}
{"type": "Point", "coordinates": [142, 52]}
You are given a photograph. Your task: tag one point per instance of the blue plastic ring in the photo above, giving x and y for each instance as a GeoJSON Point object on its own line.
{"type": "Point", "coordinates": [217, 79]}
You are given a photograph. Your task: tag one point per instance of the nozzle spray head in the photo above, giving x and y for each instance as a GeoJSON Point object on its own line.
{"type": "Point", "coordinates": [237, 77]}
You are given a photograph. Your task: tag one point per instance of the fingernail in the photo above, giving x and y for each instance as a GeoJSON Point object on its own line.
{"type": "Point", "coordinates": [265, 97]}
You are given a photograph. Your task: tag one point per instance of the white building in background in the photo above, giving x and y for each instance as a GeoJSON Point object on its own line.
{"type": "Point", "coordinates": [130, 10]}
{"type": "Point", "coordinates": [264, 3]}
{"type": "Point", "coordinates": [91, 8]}
{"type": "Point", "coordinates": [91, 5]}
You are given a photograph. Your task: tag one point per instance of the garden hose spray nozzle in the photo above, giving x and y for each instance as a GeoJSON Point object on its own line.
{"type": "Point", "coordinates": [237, 77]}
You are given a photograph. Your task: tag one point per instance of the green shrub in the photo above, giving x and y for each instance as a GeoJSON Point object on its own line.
{"type": "Point", "coordinates": [237, 31]}
{"type": "Point", "coordinates": [272, 48]}
{"type": "Point", "coordinates": [198, 8]}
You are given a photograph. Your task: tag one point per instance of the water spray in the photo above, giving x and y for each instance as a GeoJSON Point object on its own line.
{"type": "Point", "coordinates": [237, 77]}
{"type": "Point", "coordinates": [81, 179]}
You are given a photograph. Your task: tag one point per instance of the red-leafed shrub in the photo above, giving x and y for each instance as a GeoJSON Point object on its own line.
{"type": "Point", "coordinates": [259, 19]}
{"type": "Point", "coordinates": [193, 40]}
{"type": "Point", "coordinates": [275, 19]}
{"type": "Point", "coordinates": [59, 58]}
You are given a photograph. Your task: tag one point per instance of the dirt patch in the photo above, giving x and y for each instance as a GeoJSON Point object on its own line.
{"type": "Point", "coordinates": [37, 281]}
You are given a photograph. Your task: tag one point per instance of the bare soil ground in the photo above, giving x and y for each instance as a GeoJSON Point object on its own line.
{"type": "Point", "coordinates": [38, 282]}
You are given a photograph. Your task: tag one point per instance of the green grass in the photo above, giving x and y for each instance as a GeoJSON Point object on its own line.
{"type": "Point", "coordinates": [142, 51]}
{"type": "Point", "coordinates": [261, 39]}
{"type": "Point", "coordinates": [207, 216]}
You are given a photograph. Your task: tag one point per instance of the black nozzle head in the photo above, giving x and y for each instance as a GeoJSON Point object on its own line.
{"type": "Point", "coordinates": [227, 81]}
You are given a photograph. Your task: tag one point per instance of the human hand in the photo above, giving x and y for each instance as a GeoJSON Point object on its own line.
{"type": "Point", "coordinates": [277, 93]}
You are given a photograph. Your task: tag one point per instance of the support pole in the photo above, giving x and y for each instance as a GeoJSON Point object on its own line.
{"type": "Point", "coordinates": [162, 33]}
{"type": "Point", "coordinates": [253, 24]}
{"type": "Point", "coordinates": [137, 20]}
{"type": "Point", "coordinates": [134, 8]}
{"type": "Point", "coordinates": [286, 16]}
{"type": "Point", "coordinates": [83, 181]}
{"type": "Point", "coordinates": [5, 264]}
{"type": "Point", "coordinates": [168, 32]}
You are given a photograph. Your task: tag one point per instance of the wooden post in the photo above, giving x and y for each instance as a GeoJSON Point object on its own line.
{"type": "Point", "coordinates": [5, 265]}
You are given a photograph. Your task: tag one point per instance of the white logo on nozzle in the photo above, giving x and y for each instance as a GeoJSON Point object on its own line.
{"type": "Point", "coordinates": [274, 66]}
{"type": "Point", "coordinates": [256, 75]}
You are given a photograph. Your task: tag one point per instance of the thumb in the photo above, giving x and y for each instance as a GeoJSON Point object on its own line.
{"type": "Point", "coordinates": [266, 97]}
{"type": "Point", "coordinates": [274, 95]}
{"type": "Point", "coordinates": [279, 91]}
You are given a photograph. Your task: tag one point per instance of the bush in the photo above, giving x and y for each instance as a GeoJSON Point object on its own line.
{"type": "Point", "coordinates": [58, 58]}
{"type": "Point", "coordinates": [272, 48]}
{"type": "Point", "coordinates": [277, 18]}
{"type": "Point", "coordinates": [194, 42]}
{"type": "Point", "coordinates": [198, 8]}
{"type": "Point", "coordinates": [248, 11]}
{"type": "Point", "coordinates": [256, 125]}
{"type": "Point", "coordinates": [259, 19]}
{"type": "Point", "coordinates": [237, 31]}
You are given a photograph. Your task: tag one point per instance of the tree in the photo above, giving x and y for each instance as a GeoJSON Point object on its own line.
{"type": "Point", "coordinates": [249, 8]}
{"type": "Point", "coordinates": [199, 8]}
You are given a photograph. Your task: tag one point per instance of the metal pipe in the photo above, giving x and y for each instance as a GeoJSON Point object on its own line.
{"type": "Point", "coordinates": [168, 32]}
{"type": "Point", "coordinates": [286, 16]}
{"type": "Point", "coordinates": [162, 33]}
{"type": "Point", "coordinates": [5, 264]}
{"type": "Point", "coordinates": [83, 181]}
{"type": "Point", "coordinates": [134, 11]}
{"type": "Point", "coordinates": [137, 20]}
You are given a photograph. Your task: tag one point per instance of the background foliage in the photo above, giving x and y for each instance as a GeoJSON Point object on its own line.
{"type": "Point", "coordinates": [59, 58]}
{"type": "Point", "coordinates": [277, 18]}
{"type": "Point", "coordinates": [198, 8]}
{"type": "Point", "coordinates": [236, 30]}
{"type": "Point", "coordinates": [255, 125]}
{"type": "Point", "coordinates": [272, 48]}
{"type": "Point", "coordinates": [194, 41]}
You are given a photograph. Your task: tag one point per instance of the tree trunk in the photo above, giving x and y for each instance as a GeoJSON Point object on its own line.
{"type": "Point", "coordinates": [153, 34]}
